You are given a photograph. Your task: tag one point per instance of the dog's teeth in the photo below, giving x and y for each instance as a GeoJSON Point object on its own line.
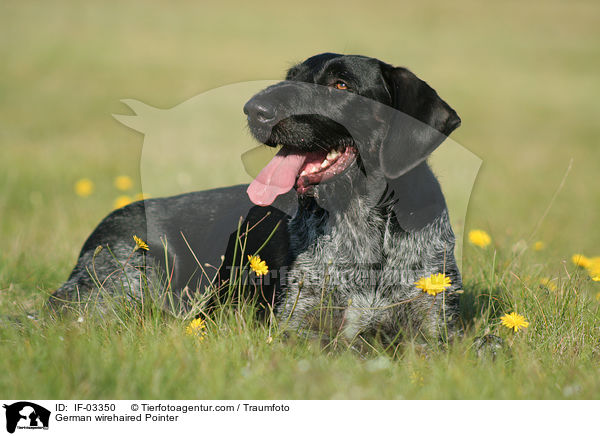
{"type": "Point", "coordinates": [303, 173]}
{"type": "Point", "coordinates": [333, 154]}
{"type": "Point", "coordinates": [325, 163]}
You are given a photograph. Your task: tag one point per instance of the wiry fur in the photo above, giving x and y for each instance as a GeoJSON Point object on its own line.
{"type": "Point", "coordinates": [352, 265]}
{"type": "Point", "coordinates": [355, 270]}
{"type": "Point", "coordinates": [360, 241]}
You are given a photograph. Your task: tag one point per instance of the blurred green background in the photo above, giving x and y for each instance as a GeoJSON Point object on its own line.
{"type": "Point", "coordinates": [522, 75]}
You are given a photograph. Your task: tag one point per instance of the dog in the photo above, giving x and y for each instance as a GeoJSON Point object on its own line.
{"type": "Point", "coordinates": [370, 219]}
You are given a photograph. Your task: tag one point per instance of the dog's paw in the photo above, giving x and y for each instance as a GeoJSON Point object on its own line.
{"type": "Point", "coordinates": [487, 345]}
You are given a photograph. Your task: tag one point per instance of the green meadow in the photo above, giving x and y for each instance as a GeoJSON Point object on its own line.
{"type": "Point", "coordinates": [523, 76]}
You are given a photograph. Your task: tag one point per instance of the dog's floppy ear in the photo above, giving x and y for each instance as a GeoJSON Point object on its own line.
{"type": "Point", "coordinates": [428, 122]}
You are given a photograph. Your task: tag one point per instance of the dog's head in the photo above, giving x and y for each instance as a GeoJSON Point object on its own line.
{"type": "Point", "coordinates": [340, 117]}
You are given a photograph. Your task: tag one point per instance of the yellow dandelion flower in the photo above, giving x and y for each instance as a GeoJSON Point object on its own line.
{"type": "Point", "coordinates": [514, 321]}
{"type": "Point", "coordinates": [123, 183]}
{"type": "Point", "coordinates": [539, 246]}
{"type": "Point", "coordinates": [580, 260]}
{"type": "Point", "coordinates": [121, 201]}
{"type": "Point", "coordinates": [258, 266]}
{"type": "Point", "coordinates": [548, 283]}
{"type": "Point", "coordinates": [84, 187]}
{"type": "Point", "coordinates": [196, 328]}
{"type": "Point", "coordinates": [141, 196]}
{"type": "Point", "coordinates": [140, 244]}
{"type": "Point", "coordinates": [434, 284]}
{"type": "Point", "coordinates": [594, 268]}
{"type": "Point", "coordinates": [479, 238]}
{"type": "Point", "coordinates": [596, 278]}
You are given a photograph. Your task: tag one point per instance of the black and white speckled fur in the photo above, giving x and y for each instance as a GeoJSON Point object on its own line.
{"type": "Point", "coordinates": [357, 243]}
{"type": "Point", "coordinates": [355, 269]}
{"type": "Point", "coordinates": [110, 269]}
{"type": "Point", "coordinates": [114, 271]}
{"type": "Point", "coordinates": [360, 241]}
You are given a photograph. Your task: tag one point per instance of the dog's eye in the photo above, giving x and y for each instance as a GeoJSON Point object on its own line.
{"type": "Point", "coordinates": [340, 85]}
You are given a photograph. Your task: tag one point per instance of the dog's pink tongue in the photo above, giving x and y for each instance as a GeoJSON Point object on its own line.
{"type": "Point", "coordinates": [277, 178]}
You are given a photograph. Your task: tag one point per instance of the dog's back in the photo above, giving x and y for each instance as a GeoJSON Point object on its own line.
{"type": "Point", "coordinates": [190, 242]}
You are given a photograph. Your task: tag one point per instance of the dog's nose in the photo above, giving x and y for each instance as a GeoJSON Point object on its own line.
{"type": "Point", "coordinates": [259, 111]}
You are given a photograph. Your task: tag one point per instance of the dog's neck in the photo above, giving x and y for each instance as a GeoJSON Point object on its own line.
{"type": "Point", "coordinates": [416, 198]}
{"type": "Point", "coordinates": [357, 230]}
{"type": "Point", "coordinates": [366, 226]}
{"type": "Point", "coordinates": [412, 201]}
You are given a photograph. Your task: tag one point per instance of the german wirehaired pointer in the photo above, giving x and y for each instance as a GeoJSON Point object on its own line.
{"type": "Point", "coordinates": [358, 215]}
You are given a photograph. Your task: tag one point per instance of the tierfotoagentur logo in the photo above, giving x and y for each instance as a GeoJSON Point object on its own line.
{"type": "Point", "coordinates": [343, 190]}
{"type": "Point", "coordinates": [206, 119]}
{"type": "Point", "coordinates": [26, 415]}
{"type": "Point", "coordinates": [179, 155]}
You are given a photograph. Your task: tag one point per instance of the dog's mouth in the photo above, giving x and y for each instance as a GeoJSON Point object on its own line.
{"type": "Point", "coordinates": [322, 166]}
{"type": "Point", "coordinates": [300, 169]}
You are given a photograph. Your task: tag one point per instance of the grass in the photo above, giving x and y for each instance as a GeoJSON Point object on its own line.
{"type": "Point", "coordinates": [146, 354]}
{"type": "Point", "coordinates": [523, 77]}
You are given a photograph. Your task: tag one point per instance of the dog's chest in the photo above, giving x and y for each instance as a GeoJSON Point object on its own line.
{"type": "Point", "coordinates": [345, 252]}
{"type": "Point", "coordinates": [356, 272]}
